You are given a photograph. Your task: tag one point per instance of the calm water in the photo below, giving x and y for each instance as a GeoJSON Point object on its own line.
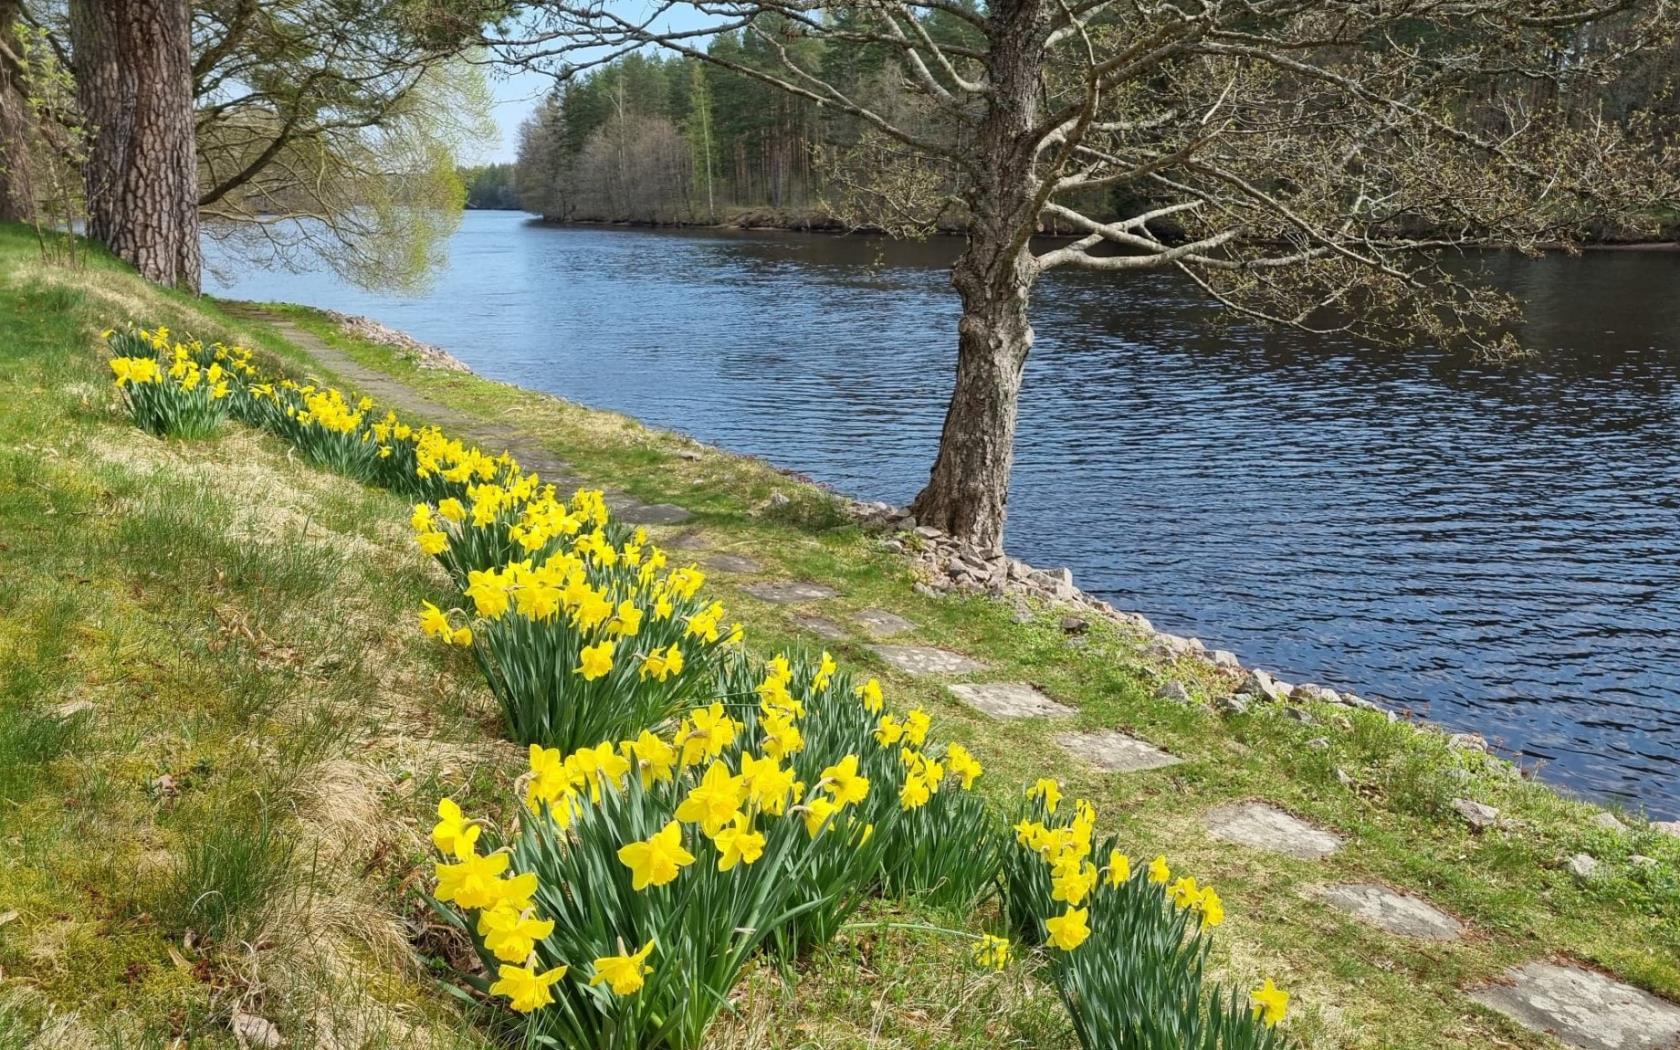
{"type": "Point", "coordinates": [1496, 548]}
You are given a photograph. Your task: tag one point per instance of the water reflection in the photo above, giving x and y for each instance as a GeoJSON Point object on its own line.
{"type": "Point", "coordinates": [1494, 546]}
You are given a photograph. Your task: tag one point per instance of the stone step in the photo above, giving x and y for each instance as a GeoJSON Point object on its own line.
{"type": "Point", "coordinates": [920, 659]}
{"type": "Point", "coordinates": [1115, 752]}
{"type": "Point", "coordinates": [1399, 913]}
{"type": "Point", "coordinates": [882, 623]}
{"type": "Point", "coordinates": [789, 592]}
{"type": "Point", "coordinates": [1007, 700]}
{"type": "Point", "coordinates": [1259, 825]}
{"type": "Point", "coordinates": [1583, 1008]}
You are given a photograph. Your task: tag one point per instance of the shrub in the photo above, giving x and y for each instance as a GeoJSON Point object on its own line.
{"type": "Point", "coordinates": [1126, 949]}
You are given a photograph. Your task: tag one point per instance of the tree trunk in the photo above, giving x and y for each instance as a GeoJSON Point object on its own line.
{"type": "Point", "coordinates": [134, 83]}
{"type": "Point", "coordinates": [17, 198]}
{"type": "Point", "coordinates": [967, 494]}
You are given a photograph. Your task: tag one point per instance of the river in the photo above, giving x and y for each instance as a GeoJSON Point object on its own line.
{"type": "Point", "coordinates": [1496, 548]}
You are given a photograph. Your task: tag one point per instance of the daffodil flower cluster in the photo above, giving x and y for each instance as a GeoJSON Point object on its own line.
{"type": "Point", "coordinates": [587, 632]}
{"type": "Point", "coordinates": [642, 874]}
{"type": "Point", "coordinates": [173, 388]}
{"type": "Point", "coordinates": [1126, 944]}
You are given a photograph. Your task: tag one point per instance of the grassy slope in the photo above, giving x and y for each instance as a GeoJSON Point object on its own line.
{"type": "Point", "coordinates": [240, 625]}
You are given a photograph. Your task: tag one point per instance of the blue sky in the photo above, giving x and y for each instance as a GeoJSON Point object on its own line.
{"type": "Point", "coordinates": [515, 96]}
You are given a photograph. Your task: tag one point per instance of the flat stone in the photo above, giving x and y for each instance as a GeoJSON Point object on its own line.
{"type": "Point", "coordinates": [919, 659]}
{"type": "Point", "coordinates": [690, 541]}
{"type": "Point", "coordinates": [881, 623]}
{"type": "Point", "coordinates": [1583, 1008]}
{"type": "Point", "coordinates": [822, 628]}
{"type": "Point", "coordinates": [1115, 752]}
{"type": "Point", "coordinates": [1007, 700]}
{"type": "Point", "coordinates": [1260, 826]}
{"type": "Point", "coordinates": [1478, 815]}
{"type": "Point", "coordinates": [1398, 913]}
{"type": "Point", "coordinates": [725, 562]}
{"type": "Point", "coordinates": [651, 513]}
{"type": "Point", "coordinates": [787, 592]}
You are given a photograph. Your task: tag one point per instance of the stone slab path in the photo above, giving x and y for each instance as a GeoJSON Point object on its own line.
{"type": "Point", "coordinates": [920, 659]}
{"type": "Point", "coordinates": [881, 623]}
{"type": "Point", "coordinates": [1260, 826]}
{"type": "Point", "coordinates": [1115, 752]}
{"type": "Point", "coordinates": [1583, 1008]}
{"type": "Point", "coordinates": [732, 563]}
{"type": "Point", "coordinates": [822, 627]}
{"type": "Point", "coordinates": [395, 394]}
{"type": "Point", "coordinates": [1400, 914]}
{"type": "Point", "coordinates": [1007, 699]}
{"type": "Point", "coordinates": [789, 592]}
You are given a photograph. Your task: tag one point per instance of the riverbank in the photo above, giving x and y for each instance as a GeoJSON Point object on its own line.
{"type": "Point", "coordinates": [1356, 801]}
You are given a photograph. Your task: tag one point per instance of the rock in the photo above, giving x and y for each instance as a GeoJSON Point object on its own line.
{"type": "Point", "coordinates": [1262, 826]}
{"type": "Point", "coordinates": [1342, 778]}
{"type": "Point", "coordinates": [1583, 866]}
{"type": "Point", "coordinates": [1467, 742]}
{"type": "Point", "coordinates": [254, 1032]}
{"type": "Point", "coordinates": [1235, 704]}
{"type": "Point", "coordinates": [1022, 612]}
{"type": "Point", "coordinates": [1299, 715]}
{"type": "Point", "coordinates": [918, 659]}
{"type": "Point", "coordinates": [1075, 624]}
{"type": "Point", "coordinates": [928, 532]}
{"type": "Point", "coordinates": [1478, 815]}
{"type": "Point", "coordinates": [883, 623]}
{"type": "Point", "coordinates": [1173, 691]}
{"type": "Point", "coordinates": [1353, 700]}
{"type": "Point", "coordinates": [925, 591]}
{"type": "Point", "coordinates": [1263, 686]}
{"type": "Point", "coordinates": [1319, 743]}
{"type": "Point", "coordinates": [1639, 860]}
{"type": "Point", "coordinates": [1583, 1008]}
{"type": "Point", "coordinates": [1007, 700]}
{"type": "Point", "coordinates": [1608, 822]}
{"type": "Point", "coordinates": [1400, 914]}
{"type": "Point", "coordinates": [730, 563]}
{"type": "Point", "coordinates": [1115, 752]}
{"type": "Point", "coordinates": [823, 628]}
{"type": "Point", "coordinates": [788, 592]}
{"type": "Point", "coordinates": [1226, 659]}
{"type": "Point", "coordinates": [779, 499]}
{"type": "Point", "coordinates": [1667, 827]}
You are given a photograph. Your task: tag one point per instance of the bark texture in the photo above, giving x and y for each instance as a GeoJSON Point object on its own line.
{"type": "Point", "coordinates": [134, 83]}
{"type": "Point", "coordinates": [967, 494]}
{"type": "Point", "coordinates": [17, 200]}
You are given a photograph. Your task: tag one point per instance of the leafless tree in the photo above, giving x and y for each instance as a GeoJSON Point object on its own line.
{"type": "Point", "coordinates": [1303, 162]}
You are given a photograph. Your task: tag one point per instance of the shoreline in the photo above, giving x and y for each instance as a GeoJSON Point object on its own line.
{"type": "Point", "coordinates": [830, 227]}
{"type": "Point", "coordinates": [943, 566]}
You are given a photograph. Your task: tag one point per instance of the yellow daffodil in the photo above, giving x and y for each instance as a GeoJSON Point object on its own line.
{"type": "Point", "coordinates": [992, 951]}
{"type": "Point", "coordinates": [712, 803]}
{"type": "Point", "coordinates": [473, 882]}
{"type": "Point", "coordinates": [596, 660]}
{"type": "Point", "coordinates": [454, 834]}
{"type": "Point", "coordinates": [1159, 873]}
{"type": "Point", "coordinates": [510, 933]}
{"type": "Point", "coordinates": [1048, 790]}
{"type": "Point", "coordinates": [624, 974]}
{"type": "Point", "coordinates": [844, 783]}
{"type": "Point", "coordinates": [1068, 930]}
{"type": "Point", "coordinates": [870, 695]}
{"type": "Point", "coordinates": [526, 989]}
{"type": "Point", "coordinates": [656, 860]}
{"type": "Point", "coordinates": [1271, 1003]}
{"type": "Point", "coordinates": [738, 843]}
{"type": "Point", "coordinates": [1211, 907]}
{"type": "Point", "coordinates": [1119, 867]}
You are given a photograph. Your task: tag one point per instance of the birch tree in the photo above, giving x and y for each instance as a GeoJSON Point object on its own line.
{"type": "Point", "coordinates": [1302, 163]}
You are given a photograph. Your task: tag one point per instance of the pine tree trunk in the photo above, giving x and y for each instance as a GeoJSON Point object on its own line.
{"type": "Point", "coordinates": [17, 199]}
{"type": "Point", "coordinates": [967, 494]}
{"type": "Point", "coordinates": [134, 83]}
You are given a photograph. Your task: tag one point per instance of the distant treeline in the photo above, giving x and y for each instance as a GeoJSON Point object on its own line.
{"type": "Point", "coordinates": [490, 186]}
{"type": "Point", "coordinates": [667, 140]}
{"type": "Point", "coordinates": [674, 140]}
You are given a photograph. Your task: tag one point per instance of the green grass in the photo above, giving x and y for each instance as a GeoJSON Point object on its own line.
{"type": "Point", "coordinates": [267, 736]}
